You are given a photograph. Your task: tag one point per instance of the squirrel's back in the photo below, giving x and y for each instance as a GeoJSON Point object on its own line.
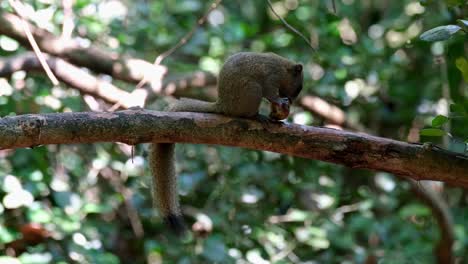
{"type": "Point", "coordinates": [254, 64]}
{"type": "Point", "coordinates": [247, 77]}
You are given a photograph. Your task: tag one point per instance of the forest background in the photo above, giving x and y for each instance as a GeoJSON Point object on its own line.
{"type": "Point", "coordinates": [370, 72]}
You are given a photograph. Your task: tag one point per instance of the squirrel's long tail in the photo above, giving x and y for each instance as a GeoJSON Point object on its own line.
{"type": "Point", "coordinates": [165, 192]}
{"type": "Point", "coordinates": [192, 105]}
{"type": "Point", "coordinates": [162, 165]}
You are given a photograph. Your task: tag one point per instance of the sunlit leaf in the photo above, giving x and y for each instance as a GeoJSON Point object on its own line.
{"type": "Point", "coordinates": [432, 132]}
{"type": "Point", "coordinates": [440, 33]}
{"type": "Point", "coordinates": [439, 120]}
{"type": "Point", "coordinates": [458, 108]}
{"type": "Point", "coordinates": [414, 210]}
{"type": "Point", "coordinates": [463, 23]}
{"type": "Point", "coordinates": [462, 65]}
{"type": "Point", "coordinates": [6, 235]}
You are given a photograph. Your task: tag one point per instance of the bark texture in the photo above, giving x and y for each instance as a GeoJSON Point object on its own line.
{"type": "Point", "coordinates": [416, 161]}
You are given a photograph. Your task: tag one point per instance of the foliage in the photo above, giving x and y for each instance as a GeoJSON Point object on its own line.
{"type": "Point", "coordinates": [265, 207]}
{"type": "Point", "coordinates": [444, 32]}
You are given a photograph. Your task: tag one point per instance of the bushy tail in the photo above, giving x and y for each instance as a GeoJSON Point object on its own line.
{"type": "Point", "coordinates": [162, 165]}
{"type": "Point", "coordinates": [165, 192]}
{"type": "Point", "coordinates": [191, 105]}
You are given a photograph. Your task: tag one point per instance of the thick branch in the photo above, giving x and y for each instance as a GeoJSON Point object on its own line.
{"type": "Point", "coordinates": [127, 69]}
{"type": "Point", "coordinates": [137, 126]}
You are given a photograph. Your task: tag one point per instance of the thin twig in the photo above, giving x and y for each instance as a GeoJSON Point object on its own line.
{"type": "Point", "coordinates": [19, 9]}
{"type": "Point", "coordinates": [334, 6]}
{"type": "Point", "coordinates": [288, 25]}
{"type": "Point", "coordinates": [441, 213]}
{"type": "Point", "coordinates": [132, 213]}
{"type": "Point", "coordinates": [183, 40]}
{"type": "Point", "coordinates": [68, 25]}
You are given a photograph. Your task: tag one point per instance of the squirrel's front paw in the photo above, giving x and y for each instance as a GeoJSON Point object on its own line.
{"type": "Point", "coordinates": [279, 109]}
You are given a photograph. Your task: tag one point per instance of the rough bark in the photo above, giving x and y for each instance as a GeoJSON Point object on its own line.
{"type": "Point", "coordinates": [419, 162]}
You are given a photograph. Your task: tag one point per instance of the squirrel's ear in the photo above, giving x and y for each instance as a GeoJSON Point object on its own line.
{"type": "Point", "coordinates": [297, 69]}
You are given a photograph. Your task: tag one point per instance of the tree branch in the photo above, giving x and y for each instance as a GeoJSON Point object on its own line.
{"type": "Point", "coordinates": [138, 126]}
{"type": "Point", "coordinates": [88, 84]}
{"type": "Point", "coordinates": [68, 74]}
{"type": "Point", "coordinates": [122, 68]}
{"type": "Point", "coordinates": [441, 212]}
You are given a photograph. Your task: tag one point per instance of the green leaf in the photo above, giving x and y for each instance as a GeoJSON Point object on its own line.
{"type": "Point", "coordinates": [457, 108]}
{"type": "Point", "coordinates": [6, 235]}
{"type": "Point", "coordinates": [341, 74]}
{"type": "Point", "coordinates": [453, 3]}
{"type": "Point", "coordinates": [432, 132]}
{"type": "Point", "coordinates": [92, 208]}
{"type": "Point", "coordinates": [39, 215]}
{"type": "Point", "coordinates": [440, 33]}
{"type": "Point", "coordinates": [463, 24]}
{"type": "Point", "coordinates": [414, 210]}
{"type": "Point", "coordinates": [439, 120]}
{"type": "Point", "coordinates": [462, 65]}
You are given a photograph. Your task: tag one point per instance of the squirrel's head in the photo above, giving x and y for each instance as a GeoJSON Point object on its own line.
{"type": "Point", "coordinates": [294, 82]}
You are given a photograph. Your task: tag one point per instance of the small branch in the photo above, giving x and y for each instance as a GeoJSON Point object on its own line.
{"type": "Point", "coordinates": [189, 34]}
{"type": "Point", "coordinates": [270, 5]}
{"type": "Point", "coordinates": [123, 68]}
{"type": "Point", "coordinates": [86, 83]}
{"type": "Point", "coordinates": [332, 113]}
{"type": "Point", "coordinates": [68, 25]}
{"type": "Point", "coordinates": [439, 207]}
{"type": "Point", "coordinates": [442, 215]}
{"type": "Point", "coordinates": [131, 211]}
{"type": "Point", "coordinates": [19, 9]}
{"type": "Point", "coordinates": [334, 6]}
{"type": "Point", "coordinates": [141, 126]}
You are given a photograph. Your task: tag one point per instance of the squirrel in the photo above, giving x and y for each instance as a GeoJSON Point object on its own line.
{"type": "Point", "coordinates": [243, 81]}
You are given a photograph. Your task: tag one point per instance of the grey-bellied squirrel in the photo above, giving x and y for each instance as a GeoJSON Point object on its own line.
{"type": "Point", "coordinates": [243, 81]}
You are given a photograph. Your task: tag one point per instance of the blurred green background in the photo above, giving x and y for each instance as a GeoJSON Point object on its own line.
{"type": "Point", "coordinates": [264, 207]}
